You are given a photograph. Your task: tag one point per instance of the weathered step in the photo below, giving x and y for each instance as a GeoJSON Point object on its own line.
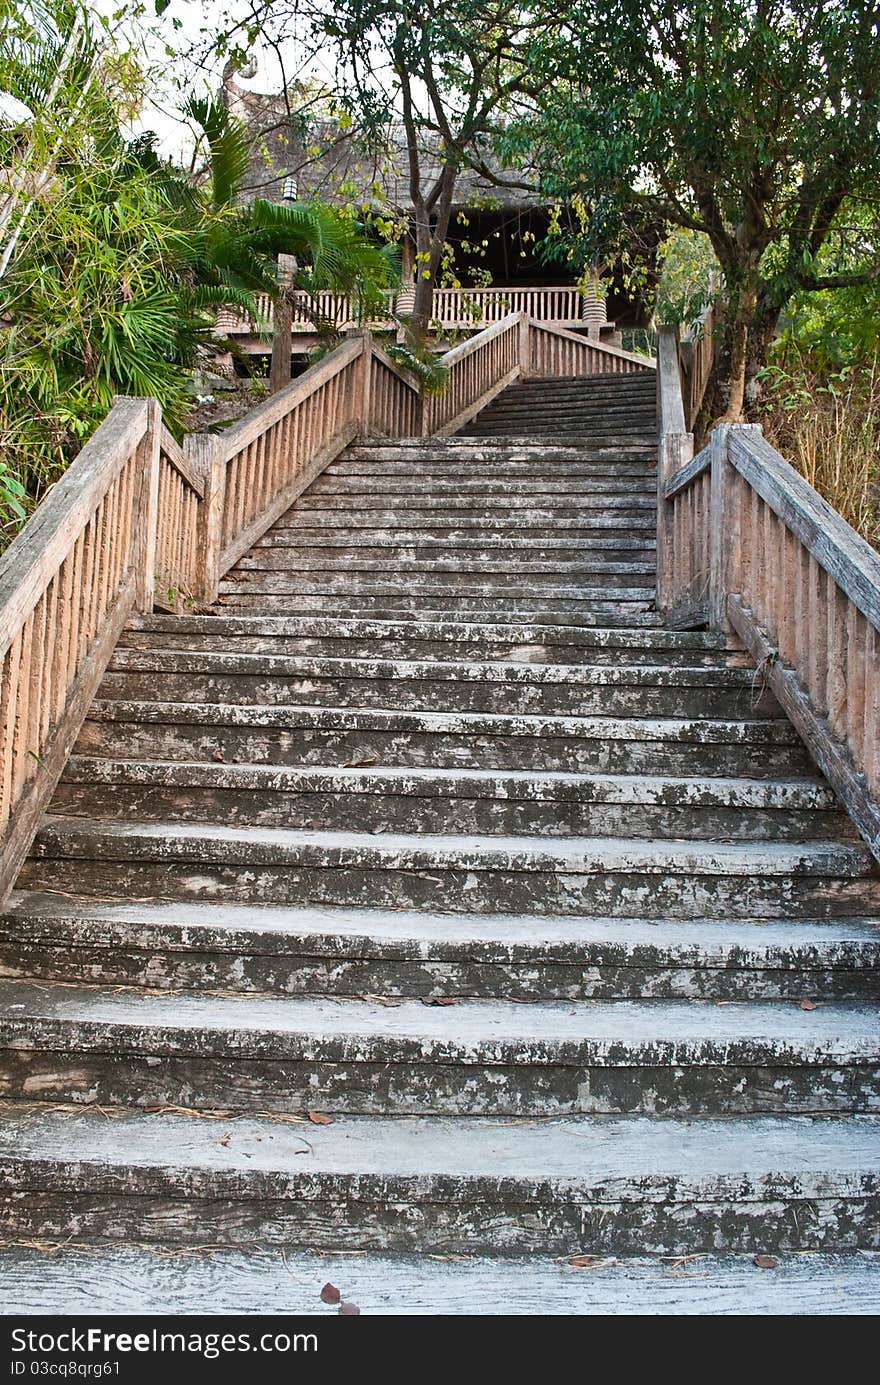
{"type": "Point", "coordinates": [536, 429]}
{"type": "Point", "coordinates": [439, 524]}
{"type": "Point", "coordinates": [59, 1279]}
{"type": "Point", "coordinates": [632, 1185]}
{"type": "Point", "coordinates": [543, 508]}
{"type": "Point", "coordinates": [631, 615]}
{"type": "Point", "coordinates": [426, 543]}
{"type": "Point", "coordinates": [286, 950]}
{"type": "Point", "coordinates": [612, 571]}
{"type": "Point", "coordinates": [413, 639]}
{"type": "Point", "coordinates": [493, 586]}
{"type": "Point", "coordinates": [450, 800]}
{"type": "Point", "coordinates": [600, 425]}
{"type": "Point", "coordinates": [612, 876]}
{"type": "Point", "coordinates": [479, 1057]}
{"type": "Point", "coordinates": [432, 684]}
{"type": "Point", "coordinates": [475, 452]}
{"type": "Point", "coordinates": [538, 489]}
{"type": "Point", "coordinates": [443, 467]}
{"type": "Point", "coordinates": [358, 736]}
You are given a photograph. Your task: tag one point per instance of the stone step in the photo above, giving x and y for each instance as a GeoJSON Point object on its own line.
{"type": "Point", "coordinates": [608, 426]}
{"type": "Point", "coordinates": [432, 684]}
{"type": "Point", "coordinates": [606, 409]}
{"type": "Point", "coordinates": [596, 1185]}
{"type": "Point", "coordinates": [427, 543]}
{"type": "Point", "coordinates": [631, 615]}
{"type": "Point", "coordinates": [288, 560]}
{"type": "Point", "coordinates": [471, 466]}
{"type": "Point", "coordinates": [450, 801]}
{"type": "Point", "coordinates": [539, 430]}
{"type": "Point", "coordinates": [479, 452]}
{"type": "Point", "coordinates": [284, 549]}
{"type": "Point", "coordinates": [593, 529]}
{"type": "Point", "coordinates": [477, 1057]}
{"type": "Point", "coordinates": [289, 950]}
{"type": "Point", "coordinates": [493, 585]}
{"type": "Point", "coordinates": [60, 1279]}
{"type": "Point", "coordinates": [611, 876]}
{"type": "Point", "coordinates": [544, 509]}
{"type": "Point", "coordinates": [534, 487]}
{"type": "Point", "coordinates": [313, 635]}
{"type": "Point", "coordinates": [258, 734]}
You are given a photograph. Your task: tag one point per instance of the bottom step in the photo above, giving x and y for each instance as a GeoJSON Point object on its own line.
{"type": "Point", "coordinates": [603, 1186]}
{"type": "Point", "coordinates": [97, 1281]}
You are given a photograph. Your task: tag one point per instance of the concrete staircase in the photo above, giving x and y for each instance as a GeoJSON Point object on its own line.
{"type": "Point", "coordinates": [431, 830]}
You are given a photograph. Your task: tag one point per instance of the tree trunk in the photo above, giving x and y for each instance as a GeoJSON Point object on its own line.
{"type": "Point", "coordinates": [762, 334]}
{"type": "Point", "coordinates": [431, 229]}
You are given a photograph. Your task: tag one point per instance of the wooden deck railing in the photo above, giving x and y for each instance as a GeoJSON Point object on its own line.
{"type": "Point", "coordinates": [472, 307]}
{"type": "Point", "coordinates": [137, 521]}
{"type": "Point", "coordinates": [475, 308]}
{"type": "Point", "coordinates": [746, 545]}
{"type": "Point", "coordinates": [68, 583]}
{"type": "Point", "coordinates": [181, 491]}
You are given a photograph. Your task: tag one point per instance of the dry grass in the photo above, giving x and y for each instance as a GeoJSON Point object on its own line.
{"type": "Point", "coordinates": [828, 427]}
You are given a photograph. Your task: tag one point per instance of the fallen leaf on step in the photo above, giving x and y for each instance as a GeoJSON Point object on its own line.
{"type": "Point", "coordinates": [809, 1005]}
{"type": "Point", "coordinates": [318, 824]}
{"type": "Point", "coordinates": [589, 1262]}
{"type": "Point", "coordinates": [438, 1000]}
{"type": "Point", "coordinates": [226, 1138]}
{"type": "Point", "coordinates": [218, 756]}
{"type": "Point", "coordinates": [765, 1262]}
{"type": "Point", "coordinates": [388, 1000]}
{"type": "Point", "coordinates": [349, 1310]}
{"type": "Point", "coordinates": [360, 764]}
{"type": "Point", "coordinates": [318, 1118]}
{"type": "Point", "coordinates": [330, 1293]}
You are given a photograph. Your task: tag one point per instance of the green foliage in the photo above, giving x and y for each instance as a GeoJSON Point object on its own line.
{"type": "Point", "coordinates": [115, 262]}
{"type": "Point", "coordinates": [753, 122]}
{"type": "Point", "coordinates": [689, 280]}
{"type": "Point", "coordinates": [413, 355]}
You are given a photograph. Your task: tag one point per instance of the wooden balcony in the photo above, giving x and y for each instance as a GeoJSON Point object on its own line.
{"type": "Point", "coordinates": [463, 309]}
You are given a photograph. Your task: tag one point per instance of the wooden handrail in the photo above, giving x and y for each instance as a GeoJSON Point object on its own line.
{"type": "Point", "coordinates": [138, 521]}
{"type": "Point", "coordinates": [747, 546]}
{"type": "Point", "coordinates": [68, 584]}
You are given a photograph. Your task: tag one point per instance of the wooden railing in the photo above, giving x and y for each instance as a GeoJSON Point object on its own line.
{"type": "Point", "coordinates": [478, 370]}
{"type": "Point", "coordinates": [554, 351]}
{"type": "Point", "coordinates": [68, 583]}
{"type": "Point", "coordinates": [138, 522]}
{"type": "Point", "coordinates": [181, 491]}
{"type": "Point", "coordinates": [467, 307]}
{"type": "Point", "coordinates": [334, 308]}
{"type": "Point", "coordinates": [696, 355]}
{"type": "Point", "coordinates": [747, 546]}
{"type": "Point", "coordinates": [475, 308]}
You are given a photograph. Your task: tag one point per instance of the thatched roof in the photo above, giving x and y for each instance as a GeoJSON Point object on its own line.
{"type": "Point", "coordinates": [336, 165]}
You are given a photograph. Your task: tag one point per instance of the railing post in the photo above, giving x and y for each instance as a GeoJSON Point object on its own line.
{"type": "Point", "coordinates": [204, 452]}
{"type": "Point", "coordinates": [725, 531]}
{"type": "Point", "coordinates": [146, 511]}
{"type": "Point", "coordinates": [674, 449]}
{"type": "Point", "coordinates": [366, 376]}
{"type": "Point", "coordinates": [525, 345]}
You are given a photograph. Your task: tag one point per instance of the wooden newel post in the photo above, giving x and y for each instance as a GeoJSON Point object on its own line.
{"type": "Point", "coordinates": [675, 449]}
{"type": "Point", "coordinates": [204, 451]}
{"type": "Point", "coordinates": [366, 380]}
{"type": "Point", "coordinates": [525, 346]}
{"type": "Point", "coordinates": [725, 532]}
{"type": "Point", "coordinates": [146, 513]}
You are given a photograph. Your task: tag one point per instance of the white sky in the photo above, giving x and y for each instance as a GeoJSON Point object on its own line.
{"type": "Point", "coordinates": [195, 18]}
